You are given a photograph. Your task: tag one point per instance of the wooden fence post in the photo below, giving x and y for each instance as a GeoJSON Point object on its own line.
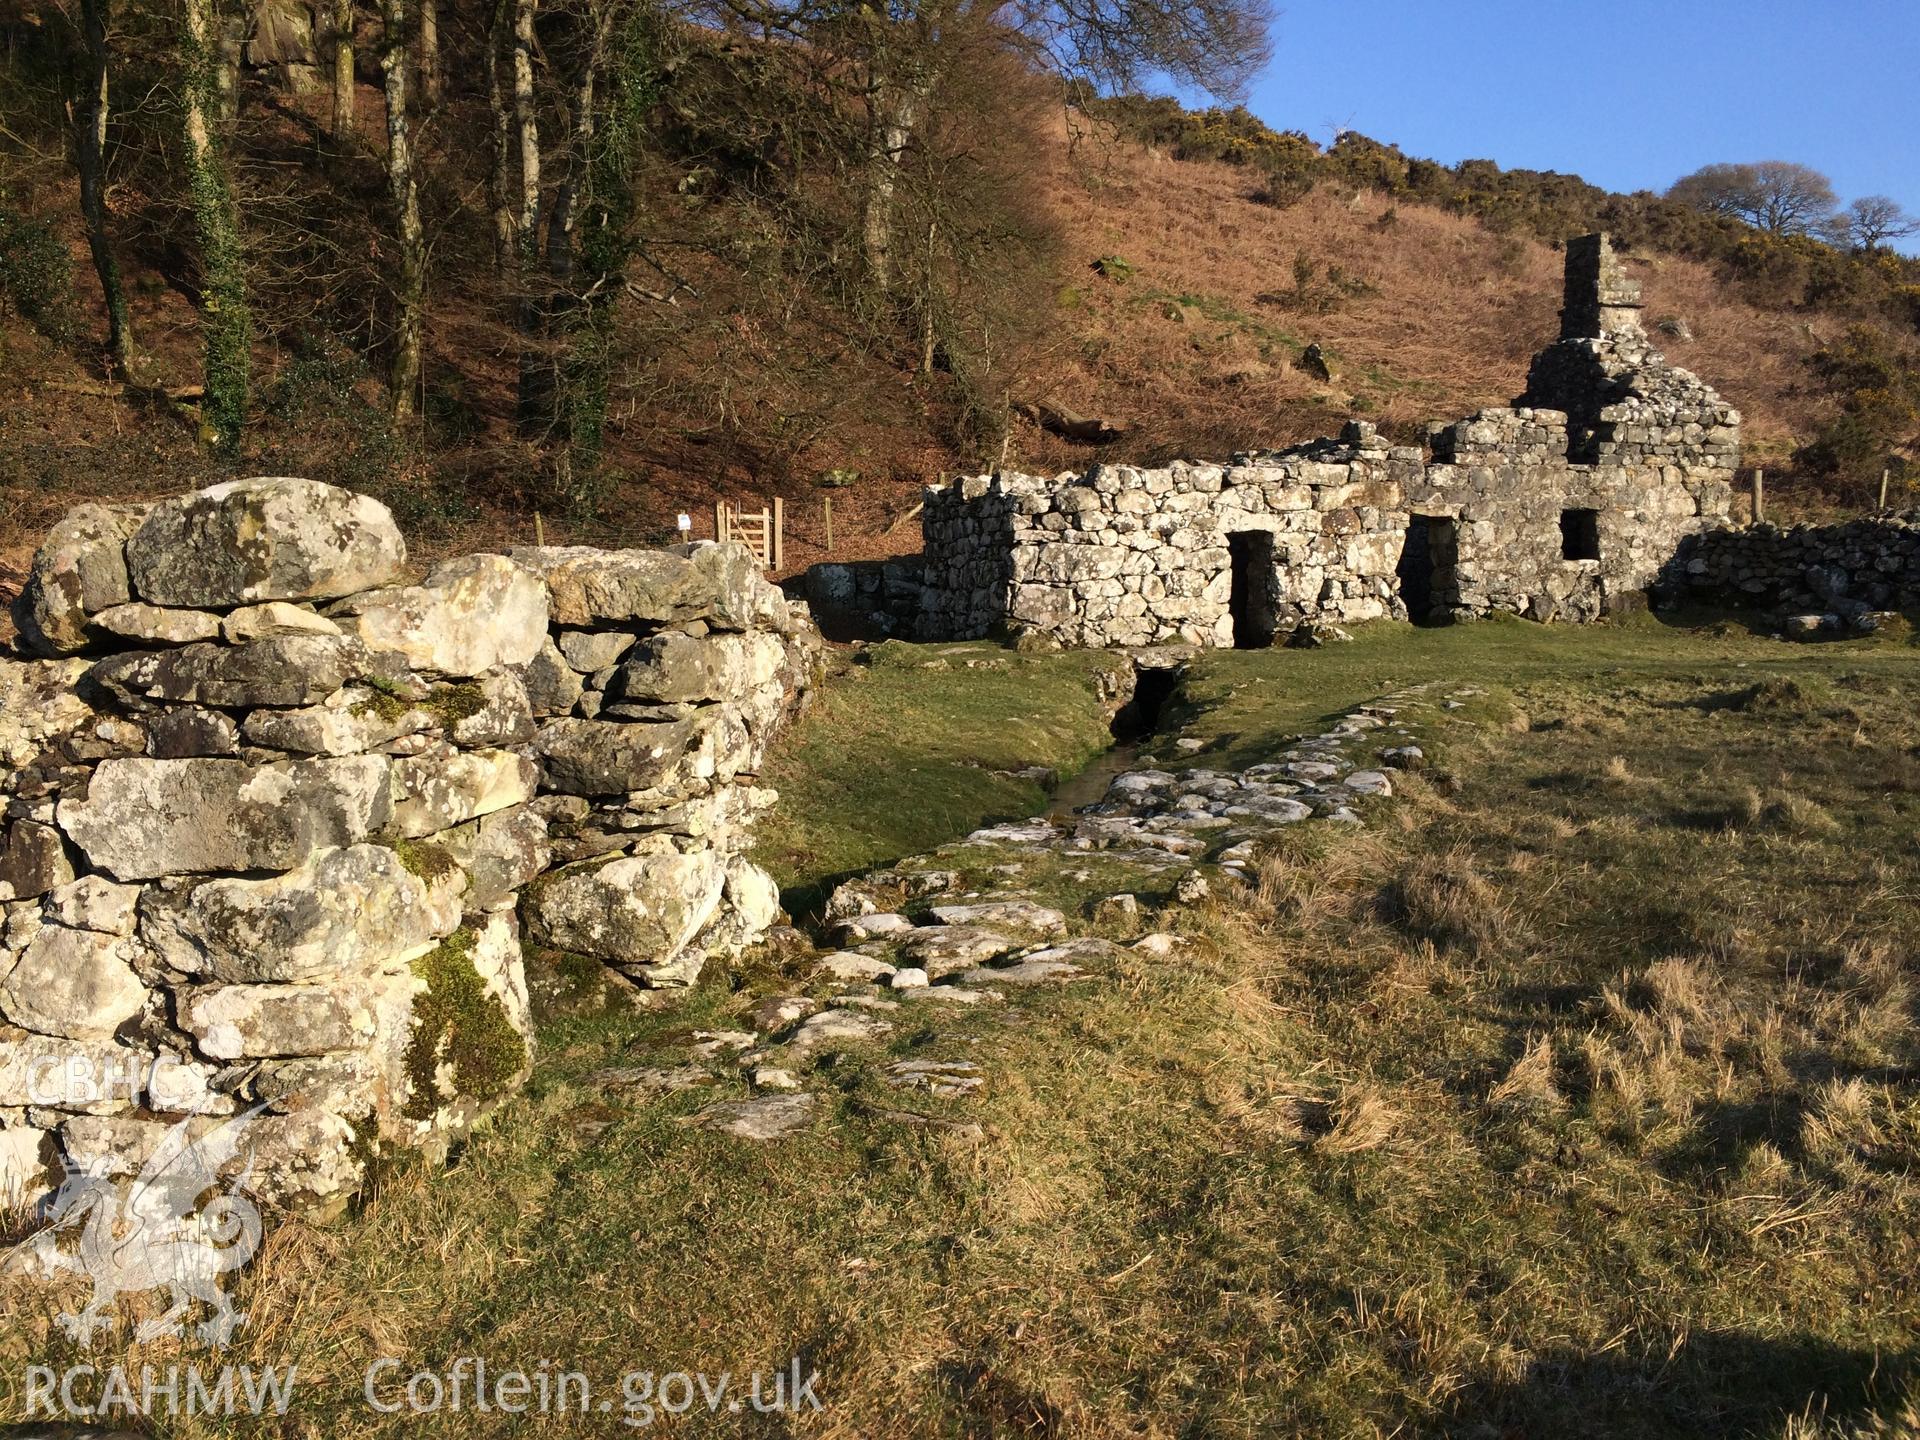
{"type": "Point", "coordinates": [720, 520]}
{"type": "Point", "coordinates": [828, 505]}
{"type": "Point", "coordinates": [778, 544]}
{"type": "Point", "coordinates": [1759, 496]}
{"type": "Point", "coordinates": [1883, 489]}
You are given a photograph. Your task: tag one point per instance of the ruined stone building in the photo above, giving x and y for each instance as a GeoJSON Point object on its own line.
{"type": "Point", "coordinates": [1567, 505]}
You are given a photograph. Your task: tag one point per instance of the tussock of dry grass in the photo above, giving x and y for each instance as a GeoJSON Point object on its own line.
{"type": "Point", "coordinates": [1529, 1084]}
{"type": "Point", "coordinates": [1444, 898]}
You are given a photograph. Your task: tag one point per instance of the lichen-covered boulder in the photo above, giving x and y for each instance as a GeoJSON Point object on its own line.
{"type": "Point", "coordinates": [492, 710]}
{"type": "Point", "coordinates": [269, 538]}
{"type": "Point", "coordinates": [156, 624]}
{"type": "Point", "coordinates": [719, 585]}
{"type": "Point", "coordinates": [500, 853]}
{"type": "Point", "coordinates": [142, 819]}
{"type": "Point", "coordinates": [608, 757]}
{"type": "Point", "coordinates": [33, 861]}
{"type": "Point", "coordinates": [468, 615]}
{"type": "Point", "coordinates": [553, 685]}
{"type": "Point", "coordinates": [77, 983]}
{"type": "Point", "coordinates": [38, 701]}
{"type": "Point", "coordinates": [638, 912]}
{"type": "Point", "coordinates": [79, 570]}
{"type": "Point", "coordinates": [345, 911]}
{"type": "Point", "coordinates": [673, 667]}
{"type": "Point", "coordinates": [445, 787]}
{"type": "Point", "coordinates": [350, 720]}
{"type": "Point", "coordinates": [231, 1021]}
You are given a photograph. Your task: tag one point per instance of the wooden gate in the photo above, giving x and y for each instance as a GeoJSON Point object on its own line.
{"type": "Point", "coordinates": [761, 531]}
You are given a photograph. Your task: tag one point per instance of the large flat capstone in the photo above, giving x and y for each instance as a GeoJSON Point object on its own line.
{"type": "Point", "coordinates": [718, 584]}
{"type": "Point", "coordinates": [270, 538]}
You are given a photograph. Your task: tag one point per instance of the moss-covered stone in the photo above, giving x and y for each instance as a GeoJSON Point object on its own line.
{"type": "Point", "coordinates": [429, 861]}
{"type": "Point", "coordinates": [458, 1024]}
{"type": "Point", "coordinates": [383, 699]}
{"type": "Point", "coordinates": [450, 704]}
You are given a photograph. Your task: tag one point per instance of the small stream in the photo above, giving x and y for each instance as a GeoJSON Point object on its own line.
{"type": "Point", "coordinates": [1089, 786]}
{"type": "Point", "coordinates": [1133, 730]}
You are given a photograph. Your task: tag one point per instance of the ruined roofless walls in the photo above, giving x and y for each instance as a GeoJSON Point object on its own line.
{"type": "Point", "coordinates": [277, 821]}
{"type": "Point", "coordinates": [1568, 505]}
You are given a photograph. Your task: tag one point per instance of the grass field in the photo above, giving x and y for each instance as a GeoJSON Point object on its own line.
{"type": "Point", "coordinates": [1573, 1097]}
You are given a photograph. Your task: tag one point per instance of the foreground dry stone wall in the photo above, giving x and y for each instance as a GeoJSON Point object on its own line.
{"type": "Point", "coordinates": [276, 818]}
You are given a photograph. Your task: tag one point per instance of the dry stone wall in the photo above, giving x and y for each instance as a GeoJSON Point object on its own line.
{"type": "Point", "coordinates": [274, 818]}
{"type": "Point", "coordinates": [1569, 504]}
{"type": "Point", "coordinates": [1826, 577]}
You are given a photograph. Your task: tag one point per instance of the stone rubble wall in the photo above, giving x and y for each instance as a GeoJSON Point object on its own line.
{"type": "Point", "coordinates": [274, 817]}
{"type": "Point", "coordinates": [1128, 556]}
{"type": "Point", "coordinates": [864, 597]}
{"type": "Point", "coordinates": [1849, 570]}
{"type": "Point", "coordinates": [1122, 555]}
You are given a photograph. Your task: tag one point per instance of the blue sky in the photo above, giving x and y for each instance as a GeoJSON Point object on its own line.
{"type": "Point", "coordinates": [1629, 94]}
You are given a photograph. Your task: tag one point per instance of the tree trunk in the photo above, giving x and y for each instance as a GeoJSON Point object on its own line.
{"type": "Point", "coordinates": [498, 185]}
{"type": "Point", "coordinates": [527, 215]}
{"type": "Point", "coordinates": [90, 155]}
{"type": "Point", "coordinates": [226, 320]}
{"type": "Point", "coordinates": [342, 69]}
{"type": "Point", "coordinates": [411, 283]}
{"type": "Point", "coordinates": [546, 389]}
{"type": "Point", "coordinates": [890, 127]}
{"type": "Point", "coordinates": [430, 53]}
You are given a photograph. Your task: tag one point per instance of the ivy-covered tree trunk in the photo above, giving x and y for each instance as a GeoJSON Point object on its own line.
{"type": "Point", "coordinates": [601, 224]}
{"type": "Point", "coordinates": [410, 283]}
{"type": "Point", "coordinates": [342, 69]}
{"type": "Point", "coordinates": [90, 159]}
{"type": "Point", "coordinates": [226, 321]}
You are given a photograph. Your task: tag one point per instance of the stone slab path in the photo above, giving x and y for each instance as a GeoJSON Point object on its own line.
{"type": "Point", "coordinates": [903, 950]}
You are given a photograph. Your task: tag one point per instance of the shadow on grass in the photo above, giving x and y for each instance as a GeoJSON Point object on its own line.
{"type": "Point", "coordinates": [1724, 1383]}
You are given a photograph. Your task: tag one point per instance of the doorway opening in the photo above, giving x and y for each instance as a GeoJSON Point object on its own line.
{"type": "Point", "coordinates": [1425, 571]}
{"type": "Point", "coordinates": [1252, 602]}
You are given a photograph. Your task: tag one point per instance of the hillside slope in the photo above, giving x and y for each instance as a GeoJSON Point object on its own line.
{"type": "Point", "coordinates": [1182, 306]}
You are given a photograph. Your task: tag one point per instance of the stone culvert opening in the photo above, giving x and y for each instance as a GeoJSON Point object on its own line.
{"type": "Point", "coordinates": [1153, 687]}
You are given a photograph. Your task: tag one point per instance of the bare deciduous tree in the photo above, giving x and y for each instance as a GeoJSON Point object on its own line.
{"type": "Point", "coordinates": [1872, 220]}
{"type": "Point", "coordinates": [342, 69]}
{"type": "Point", "coordinates": [90, 162]}
{"type": "Point", "coordinates": [1777, 196]}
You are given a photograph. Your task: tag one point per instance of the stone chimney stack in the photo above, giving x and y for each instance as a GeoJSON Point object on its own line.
{"type": "Point", "coordinates": [1601, 299]}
